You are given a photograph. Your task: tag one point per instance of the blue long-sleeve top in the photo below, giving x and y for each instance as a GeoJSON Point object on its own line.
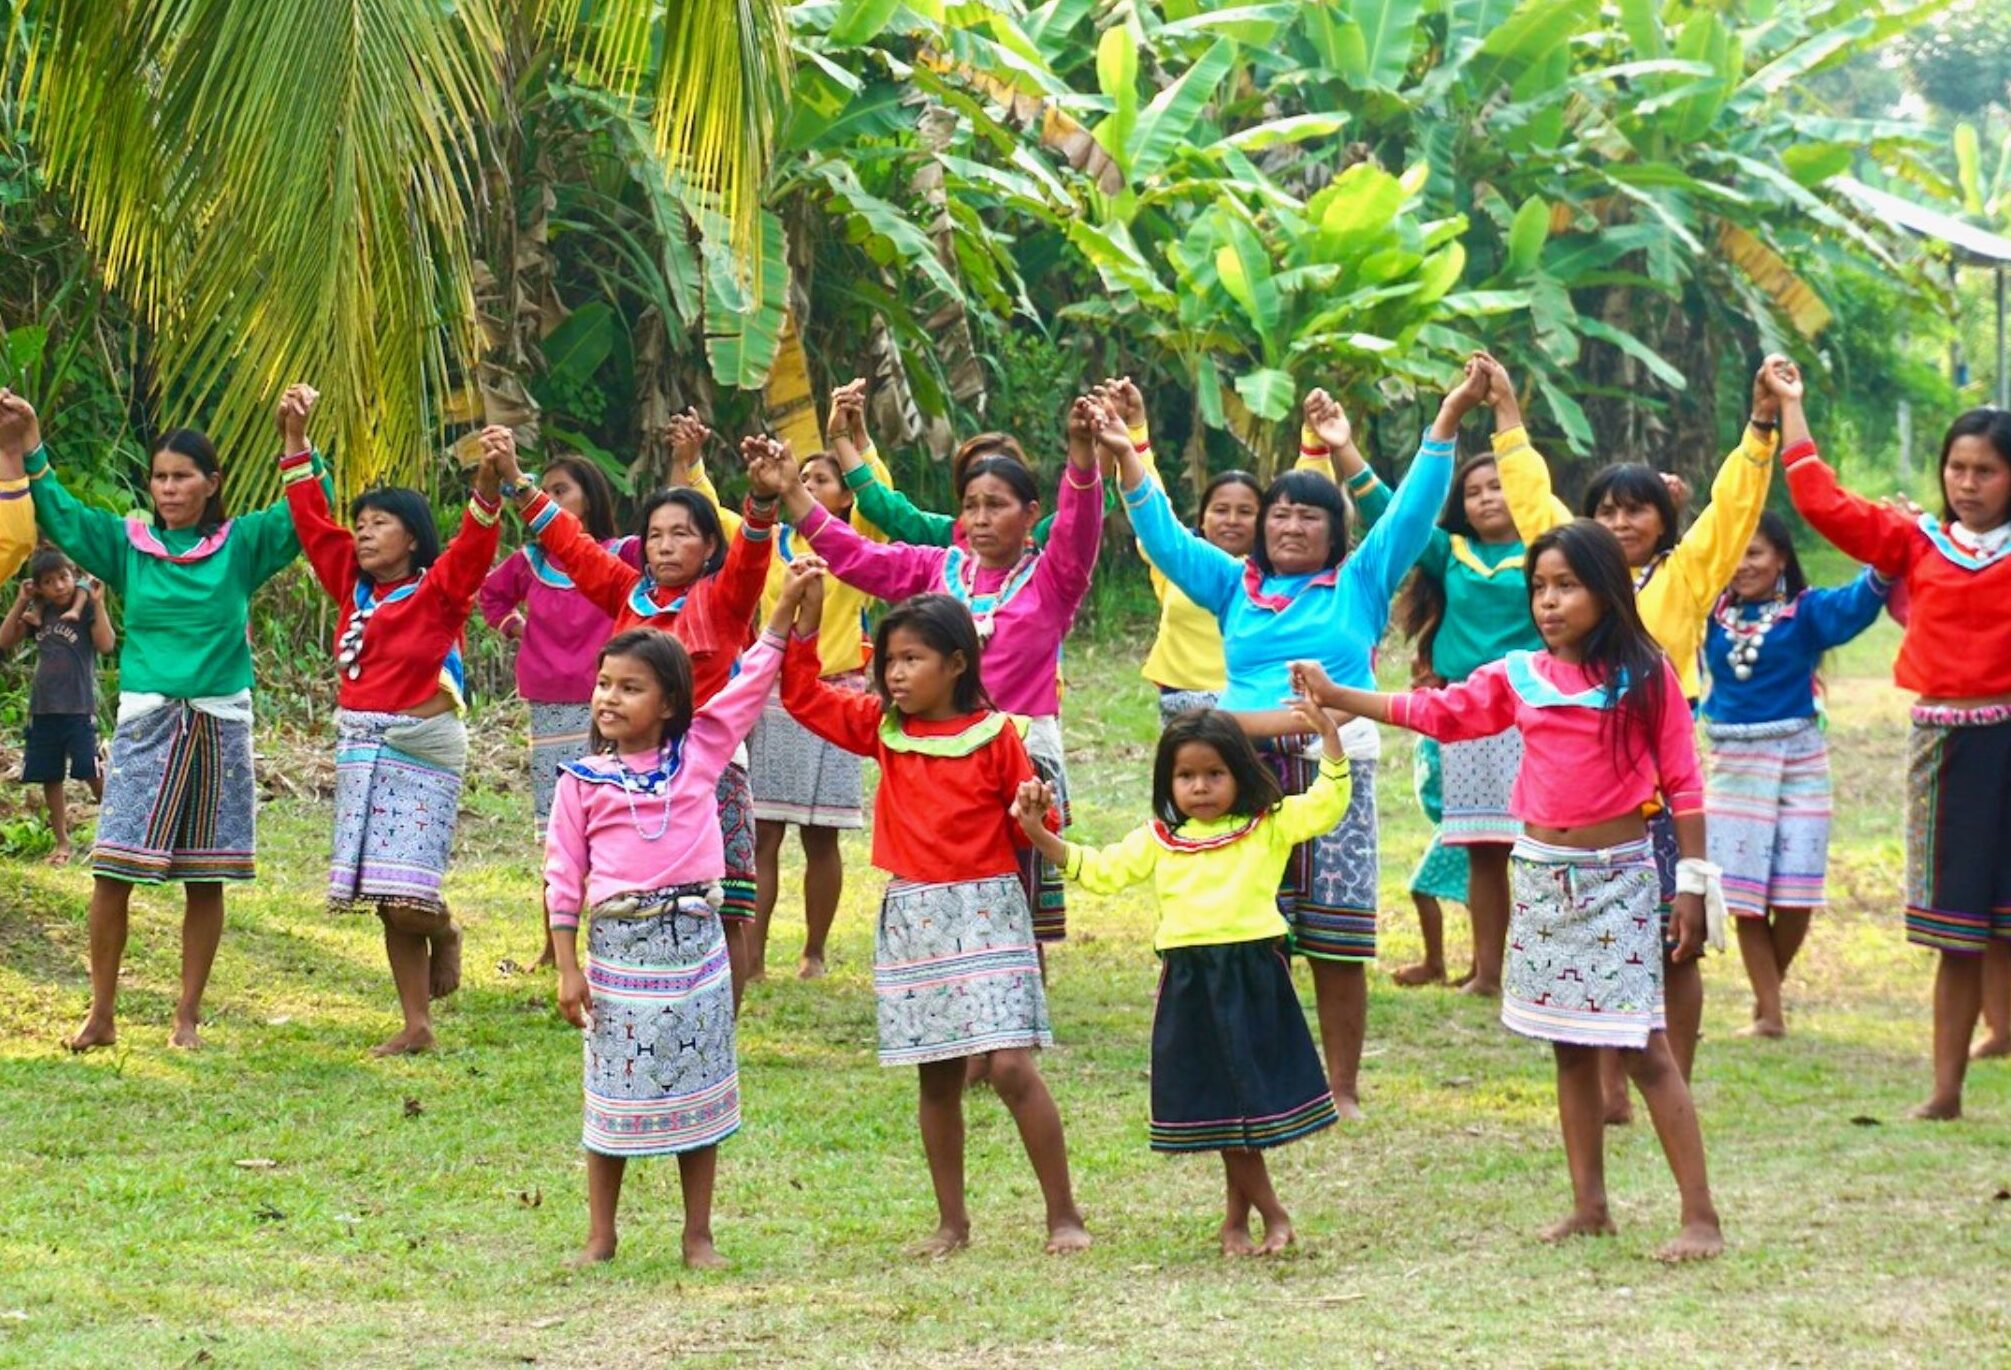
{"type": "Point", "coordinates": [1335, 616]}
{"type": "Point", "coordinates": [1782, 683]}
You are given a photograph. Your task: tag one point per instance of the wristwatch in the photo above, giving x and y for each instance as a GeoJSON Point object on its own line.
{"type": "Point", "coordinates": [523, 485]}
{"type": "Point", "coordinates": [1764, 425]}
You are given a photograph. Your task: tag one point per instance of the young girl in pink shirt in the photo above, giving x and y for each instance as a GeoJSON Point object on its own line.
{"type": "Point", "coordinates": [1604, 730]}
{"type": "Point", "coordinates": [635, 840]}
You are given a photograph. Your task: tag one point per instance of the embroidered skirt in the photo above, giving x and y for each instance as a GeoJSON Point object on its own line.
{"type": "Point", "coordinates": [397, 799]}
{"type": "Point", "coordinates": [1584, 948]}
{"type": "Point", "coordinates": [1328, 894]}
{"type": "Point", "coordinates": [1958, 828]}
{"type": "Point", "coordinates": [1041, 879]}
{"type": "Point", "coordinates": [1442, 872]}
{"type": "Point", "coordinates": [1233, 1065]}
{"type": "Point", "coordinates": [181, 800]}
{"type": "Point", "coordinates": [559, 733]}
{"type": "Point", "coordinates": [800, 778]}
{"type": "Point", "coordinates": [955, 972]}
{"type": "Point", "coordinates": [1479, 775]}
{"type": "Point", "coordinates": [1173, 703]}
{"type": "Point", "coordinates": [662, 1073]}
{"type": "Point", "coordinates": [736, 831]}
{"type": "Point", "coordinates": [1767, 813]}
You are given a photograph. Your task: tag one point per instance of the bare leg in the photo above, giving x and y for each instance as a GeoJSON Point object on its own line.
{"type": "Point", "coordinates": [1487, 903]}
{"type": "Point", "coordinates": [109, 899]}
{"type": "Point", "coordinates": [696, 1171]}
{"type": "Point", "coordinates": [59, 821]}
{"type": "Point", "coordinates": [1252, 1178]}
{"type": "Point", "coordinates": [202, 930]}
{"type": "Point", "coordinates": [1683, 989]}
{"type": "Point", "coordinates": [1341, 994]}
{"type": "Point", "coordinates": [604, 1174]}
{"type": "Point", "coordinates": [739, 952]}
{"type": "Point", "coordinates": [1016, 1080]}
{"type": "Point", "coordinates": [97, 784]}
{"type": "Point", "coordinates": [768, 837]}
{"type": "Point", "coordinates": [1235, 1233]}
{"type": "Point", "coordinates": [1667, 1095]}
{"type": "Point", "coordinates": [1791, 929]}
{"type": "Point", "coordinates": [1616, 1105]}
{"type": "Point", "coordinates": [443, 960]}
{"type": "Point", "coordinates": [1958, 999]}
{"type": "Point", "coordinates": [942, 1119]}
{"type": "Point", "coordinates": [1763, 969]}
{"type": "Point", "coordinates": [410, 955]}
{"type": "Point", "coordinates": [1996, 1002]}
{"type": "Point", "coordinates": [1579, 1110]}
{"type": "Point", "coordinates": [823, 883]}
{"type": "Point", "coordinates": [1431, 925]}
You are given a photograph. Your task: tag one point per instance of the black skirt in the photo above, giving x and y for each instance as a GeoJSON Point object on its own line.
{"type": "Point", "coordinates": [1233, 1066]}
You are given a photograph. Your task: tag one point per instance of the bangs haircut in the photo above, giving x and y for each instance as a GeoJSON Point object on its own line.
{"type": "Point", "coordinates": [1304, 487]}
{"type": "Point", "coordinates": [1257, 789]}
{"type": "Point", "coordinates": [1453, 517]}
{"type": "Point", "coordinates": [598, 492]}
{"type": "Point", "coordinates": [409, 507]}
{"type": "Point", "coordinates": [1619, 652]}
{"type": "Point", "coordinates": [703, 517]}
{"type": "Point", "coordinates": [945, 626]}
{"type": "Point", "coordinates": [667, 660]}
{"type": "Point", "coordinates": [1631, 485]}
{"type": "Point", "coordinates": [47, 561]}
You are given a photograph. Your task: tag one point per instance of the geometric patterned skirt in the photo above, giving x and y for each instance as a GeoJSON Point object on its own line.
{"type": "Point", "coordinates": [397, 800]}
{"type": "Point", "coordinates": [1479, 777]}
{"type": "Point", "coordinates": [1041, 878]}
{"type": "Point", "coordinates": [955, 972]}
{"type": "Point", "coordinates": [559, 733]}
{"type": "Point", "coordinates": [1767, 814]}
{"type": "Point", "coordinates": [661, 1070]}
{"type": "Point", "coordinates": [1584, 945]}
{"type": "Point", "coordinates": [799, 777]}
{"type": "Point", "coordinates": [1442, 872]}
{"type": "Point", "coordinates": [180, 800]}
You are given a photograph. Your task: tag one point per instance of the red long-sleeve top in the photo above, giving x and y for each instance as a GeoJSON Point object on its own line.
{"type": "Point", "coordinates": [943, 811]}
{"type": "Point", "coordinates": [410, 637]}
{"type": "Point", "coordinates": [713, 616]}
{"type": "Point", "coordinates": [1958, 630]}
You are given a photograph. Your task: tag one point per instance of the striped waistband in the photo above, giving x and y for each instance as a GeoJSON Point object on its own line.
{"type": "Point", "coordinates": [1941, 716]}
{"type": "Point", "coordinates": [1638, 852]}
{"type": "Point", "coordinates": [697, 900]}
{"type": "Point", "coordinates": [1757, 732]}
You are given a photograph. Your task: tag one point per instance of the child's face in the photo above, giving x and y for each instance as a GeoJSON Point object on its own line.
{"type": "Point", "coordinates": [630, 707]}
{"type": "Point", "coordinates": [57, 587]}
{"type": "Point", "coordinates": [1565, 610]}
{"type": "Point", "coordinates": [921, 681]}
{"type": "Point", "coordinates": [1485, 504]}
{"type": "Point", "coordinates": [558, 483]}
{"type": "Point", "coordinates": [827, 486]}
{"type": "Point", "coordinates": [1203, 788]}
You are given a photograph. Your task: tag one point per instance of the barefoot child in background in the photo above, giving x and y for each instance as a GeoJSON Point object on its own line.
{"type": "Point", "coordinates": [1233, 1065]}
{"type": "Point", "coordinates": [1604, 730]}
{"type": "Point", "coordinates": [72, 630]}
{"type": "Point", "coordinates": [1441, 873]}
{"type": "Point", "coordinates": [954, 966]}
{"type": "Point", "coordinates": [635, 847]}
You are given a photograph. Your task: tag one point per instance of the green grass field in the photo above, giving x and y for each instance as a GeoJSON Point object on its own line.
{"type": "Point", "coordinates": [281, 1199]}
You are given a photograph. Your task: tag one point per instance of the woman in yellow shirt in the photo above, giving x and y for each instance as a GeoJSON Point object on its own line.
{"type": "Point", "coordinates": [1678, 576]}
{"type": "Point", "coordinates": [17, 510]}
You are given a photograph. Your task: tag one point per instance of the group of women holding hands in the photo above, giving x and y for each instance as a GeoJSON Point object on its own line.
{"type": "Point", "coordinates": [698, 687]}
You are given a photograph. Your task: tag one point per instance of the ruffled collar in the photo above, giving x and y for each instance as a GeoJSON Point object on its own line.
{"type": "Point", "coordinates": [146, 539]}
{"type": "Point", "coordinates": [605, 768]}
{"type": "Point", "coordinates": [1277, 601]}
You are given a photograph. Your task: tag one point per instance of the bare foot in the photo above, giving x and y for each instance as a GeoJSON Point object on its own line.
{"type": "Point", "coordinates": [1277, 1236]}
{"type": "Point", "coordinates": [810, 968]}
{"type": "Point", "coordinates": [1462, 980]}
{"type": "Point", "coordinates": [942, 1242]}
{"type": "Point", "coordinates": [185, 1037]}
{"type": "Point", "coordinates": [1937, 1110]}
{"type": "Point", "coordinates": [1067, 1235]}
{"type": "Point", "coordinates": [1349, 1107]}
{"type": "Point", "coordinates": [1595, 1224]}
{"type": "Point", "coordinates": [410, 1042]}
{"type": "Point", "coordinates": [701, 1254]}
{"type": "Point", "coordinates": [593, 1253]}
{"type": "Point", "coordinates": [1236, 1240]}
{"type": "Point", "coordinates": [1481, 989]}
{"type": "Point", "coordinates": [445, 975]}
{"type": "Point", "coordinates": [1423, 973]}
{"type": "Point", "coordinates": [1696, 1242]}
{"type": "Point", "coordinates": [1764, 1027]}
{"type": "Point", "coordinates": [60, 856]}
{"type": "Point", "coordinates": [91, 1036]}
{"type": "Point", "coordinates": [1991, 1047]}
{"type": "Point", "coordinates": [546, 959]}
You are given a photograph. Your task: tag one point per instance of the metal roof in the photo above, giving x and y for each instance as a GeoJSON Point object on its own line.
{"type": "Point", "coordinates": [1975, 246]}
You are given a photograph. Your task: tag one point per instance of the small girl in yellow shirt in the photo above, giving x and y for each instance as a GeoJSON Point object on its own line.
{"type": "Point", "coordinates": [1233, 1066]}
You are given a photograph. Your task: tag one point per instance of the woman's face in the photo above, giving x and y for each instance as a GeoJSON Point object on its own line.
{"type": "Point", "coordinates": [180, 489]}
{"type": "Point", "coordinates": [674, 547]}
{"type": "Point", "coordinates": [1297, 537]}
{"type": "Point", "coordinates": [827, 487]}
{"type": "Point", "coordinates": [565, 491]}
{"type": "Point", "coordinates": [1230, 520]}
{"type": "Point", "coordinates": [1759, 570]}
{"type": "Point", "coordinates": [384, 545]}
{"type": "Point", "coordinates": [1486, 507]}
{"type": "Point", "coordinates": [1977, 483]}
{"type": "Point", "coordinates": [1639, 528]}
{"type": "Point", "coordinates": [996, 521]}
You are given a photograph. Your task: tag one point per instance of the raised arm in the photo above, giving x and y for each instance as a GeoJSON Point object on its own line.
{"type": "Point", "coordinates": [1839, 614]}
{"type": "Point", "coordinates": [844, 718]}
{"type": "Point", "coordinates": [1862, 529]}
{"type": "Point", "coordinates": [93, 538]}
{"type": "Point", "coordinates": [724, 721]}
{"type": "Point", "coordinates": [15, 627]}
{"type": "Point", "coordinates": [330, 548]}
{"type": "Point", "coordinates": [1401, 535]}
{"type": "Point", "coordinates": [103, 637]}
{"type": "Point", "coordinates": [1708, 554]}
{"type": "Point", "coordinates": [687, 437]}
{"type": "Point", "coordinates": [1525, 475]}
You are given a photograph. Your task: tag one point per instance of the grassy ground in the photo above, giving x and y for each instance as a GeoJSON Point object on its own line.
{"type": "Point", "coordinates": [282, 1199]}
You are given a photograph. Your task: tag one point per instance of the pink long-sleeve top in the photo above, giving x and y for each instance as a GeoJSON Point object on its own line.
{"type": "Point", "coordinates": [1032, 604]}
{"type": "Point", "coordinates": [1577, 768]}
{"type": "Point", "coordinates": [604, 838]}
{"type": "Point", "coordinates": [559, 631]}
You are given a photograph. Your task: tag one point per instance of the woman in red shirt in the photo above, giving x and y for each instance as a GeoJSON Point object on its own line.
{"type": "Point", "coordinates": [400, 747]}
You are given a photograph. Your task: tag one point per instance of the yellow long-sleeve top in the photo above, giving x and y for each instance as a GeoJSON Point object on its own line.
{"type": "Point", "coordinates": [1676, 597]}
{"type": "Point", "coordinates": [841, 637]}
{"type": "Point", "coordinates": [17, 527]}
{"type": "Point", "coordinates": [1216, 881]}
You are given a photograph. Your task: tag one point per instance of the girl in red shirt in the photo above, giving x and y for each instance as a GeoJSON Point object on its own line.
{"type": "Point", "coordinates": [400, 747]}
{"type": "Point", "coordinates": [955, 972]}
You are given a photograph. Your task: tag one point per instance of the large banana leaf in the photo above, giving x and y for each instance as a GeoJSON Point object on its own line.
{"type": "Point", "coordinates": [744, 327]}
{"type": "Point", "coordinates": [1170, 119]}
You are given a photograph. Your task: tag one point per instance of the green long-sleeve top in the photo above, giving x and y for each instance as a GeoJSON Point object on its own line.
{"type": "Point", "coordinates": [187, 596]}
{"type": "Point", "coordinates": [894, 514]}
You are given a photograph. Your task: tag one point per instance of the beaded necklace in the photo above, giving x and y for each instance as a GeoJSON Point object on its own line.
{"type": "Point", "coordinates": [632, 780]}
{"type": "Point", "coordinates": [1748, 636]}
{"type": "Point", "coordinates": [960, 578]}
{"type": "Point", "coordinates": [349, 647]}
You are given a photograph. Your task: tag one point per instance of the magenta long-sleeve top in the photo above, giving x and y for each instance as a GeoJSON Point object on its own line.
{"type": "Point", "coordinates": [559, 631]}
{"type": "Point", "coordinates": [1031, 605]}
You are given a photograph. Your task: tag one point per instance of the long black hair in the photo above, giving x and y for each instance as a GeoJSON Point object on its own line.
{"type": "Point", "coordinates": [1619, 652]}
{"type": "Point", "coordinates": [1631, 484]}
{"type": "Point", "coordinates": [1221, 483]}
{"type": "Point", "coordinates": [409, 507]}
{"type": "Point", "coordinates": [1986, 421]}
{"type": "Point", "coordinates": [595, 490]}
{"type": "Point", "coordinates": [667, 660]}
{"type": "Point", "coordinates": [1257, 789]}
{"type": "Point", "coordinates": [1420, 609]}
{"type": "Point", "coordinates": [196, 446]}
{"type": "Point", "coordinates": [946, 626]}
{"type": "Point", "coordinates": [1781, 538]}
{"type": "Point", "coordinates": [983, 445]}
{"type": "Point", "coordinates": [1304, 487]}
{"type": "Point", "coordinates": [703, 517]}
{"type": "Point", "coordinates": [1010, 470]}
